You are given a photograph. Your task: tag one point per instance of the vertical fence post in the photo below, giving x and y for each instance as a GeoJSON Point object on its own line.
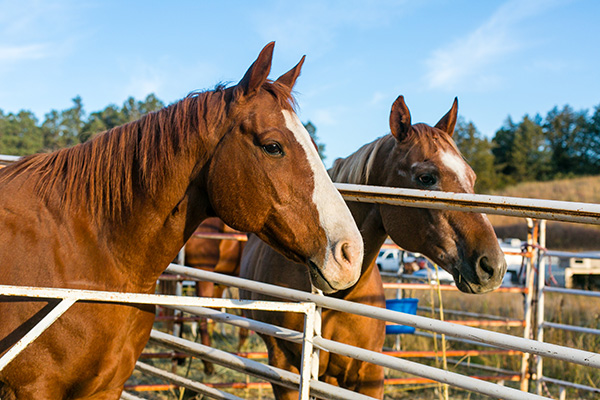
{"type": "Point", "coordinates": [178, 326]}
{"type": "Point", "coordinates": [527, 304]}
{"type": "Point", "coordinates": [317, 332]}
{"type": "Point", "coordinates": [562, 393]}
{"type": "Point", "coordinates": [540, 304]}
{"type": "Point", "coordinates": [307, 351]}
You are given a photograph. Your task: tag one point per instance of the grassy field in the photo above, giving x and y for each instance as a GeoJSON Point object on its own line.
{"type": "Point", "coordinates": [559, 308]}
{"type": "Point", "coordinates": [561, 236]}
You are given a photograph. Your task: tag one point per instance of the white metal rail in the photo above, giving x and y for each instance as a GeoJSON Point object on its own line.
{"type": "Point", "coordinates": [542, 289]}
{"type": "Point", "coordinates": [475, 334]}
{"type": "Point", "coordinates": [69, 297]}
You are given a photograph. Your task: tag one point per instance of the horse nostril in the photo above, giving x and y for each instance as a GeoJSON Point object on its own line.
{"type": "Point", "coordinates": [346, 253]}
{"type": "Point", "coordinates": [485, 269]}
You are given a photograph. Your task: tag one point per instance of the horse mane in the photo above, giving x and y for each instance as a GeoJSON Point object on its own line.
{"type": "Point", "coordinates": [357, 167]}
{"type": "Point", "coordinates": [108, 170]}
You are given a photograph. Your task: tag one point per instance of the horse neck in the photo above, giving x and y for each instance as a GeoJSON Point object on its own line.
{"type": "Point", "coordinates": [361, 168]}
{"type": "Point", "coordinates": [164, 213]}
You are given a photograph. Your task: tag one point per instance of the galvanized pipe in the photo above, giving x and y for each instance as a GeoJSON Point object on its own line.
{"type": "Point", "coordinates": [541, 282]}
{"type": "Point", "coordinates": [479, 335]}
{"type": "Point", "coordinates": [425, 371]}
{"type": "Point", "coordinates": [307, 352]}
{"type": "Point", "coordinates": [572, 328]}
{"type": "Point", "coordinates": [36, 331]}
{"type": "Point", "coordinates": [576, 292]}
{"type": "Point", "coordinates": [501, 205]}
{"type": "Point", "coordinates": [275, 375]}
{"type": "Point", "coordinates": [143, 298]}
{"type": "Point", "coordinates": [571, 385]}
{"type": "Point", "coordinates": [242, 322]}
{"type": "Point", "coordinates": [129, 396]}
{"type": "Point", "coordinates": [185, 382]}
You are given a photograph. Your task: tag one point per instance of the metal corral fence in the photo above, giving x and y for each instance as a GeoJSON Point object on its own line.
{"type": "Point", "coordinates": [307, 382]}
{"type": "Point", "coordinates": [515, 207]}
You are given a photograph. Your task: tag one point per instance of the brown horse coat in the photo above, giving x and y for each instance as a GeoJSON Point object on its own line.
{"type": "Point", "coordinates": [413, 156]}
{"type": "Point", "coordinates": [111, 213]}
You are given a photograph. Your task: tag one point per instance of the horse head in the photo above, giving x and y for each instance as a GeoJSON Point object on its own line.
{"type": "Point", "coordinates": [427, 158]}
{"type": "Point", "coordinates": [266, 177]}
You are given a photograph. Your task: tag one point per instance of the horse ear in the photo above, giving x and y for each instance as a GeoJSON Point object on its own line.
{"type": "Point", "coordinates": [289, 78]}
{"type": "Point", "coordinates": [257, 73]}
{"type": "Point", "coordinates": [400, 119]}
{"type": "Point", "coordinates": [448, 121]}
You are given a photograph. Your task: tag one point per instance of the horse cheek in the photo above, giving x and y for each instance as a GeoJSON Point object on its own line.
{"type": "Point", "coordinates": [229, 187]}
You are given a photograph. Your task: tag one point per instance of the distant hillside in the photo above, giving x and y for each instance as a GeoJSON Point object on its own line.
{"type": "Point", "coordinates": [560, 236]}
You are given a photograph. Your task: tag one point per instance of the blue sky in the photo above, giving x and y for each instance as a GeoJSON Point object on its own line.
{"type": "Point", "coordinates": [499, 57]}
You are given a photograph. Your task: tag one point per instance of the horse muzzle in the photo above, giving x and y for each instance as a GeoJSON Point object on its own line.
{"type": "Point", "coordinates": [483, 277]}
{"type": "Point", "coordinates": [339, 269]}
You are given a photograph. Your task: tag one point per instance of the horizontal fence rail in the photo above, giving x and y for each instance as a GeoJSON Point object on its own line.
{"type": "Point", "coordinates": [185, 382]}
{"type": "Point", "coordinates": [512, 206]}
{"type": "Point", "coordinates": [69, 297]}
{"type": "Point", "coordinates": [388, 361]}
{"type": "Point", "coordinates": [474, 334]}
{"type": "Point", "coordinates": [272, 374]}
{"type": "Point", "coordinates": [576, 292]}
{"type": "Point", "coordinates": [143, 298]}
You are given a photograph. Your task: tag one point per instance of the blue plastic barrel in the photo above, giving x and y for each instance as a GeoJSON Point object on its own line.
{"type": "Point", "coordinates": [409, 306]}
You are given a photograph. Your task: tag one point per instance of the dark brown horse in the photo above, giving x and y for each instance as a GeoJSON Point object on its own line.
{"type": "Point", "coordinates": [413, 156]}
{"type": "Point", "coordinates": [111, 214]}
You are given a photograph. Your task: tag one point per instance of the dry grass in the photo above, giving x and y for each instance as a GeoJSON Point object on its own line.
{"type": "Point", "coordinates": [561, 236]}
{"type": "Point", "coordinates": [585, 190]}
{"type": "Point", "coordinates": [573, 310]}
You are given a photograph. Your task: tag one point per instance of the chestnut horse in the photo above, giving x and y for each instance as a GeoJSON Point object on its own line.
{"type": "Point", "coordinates": [413, 156]}
{"type": "Point", "coordinates": [111, 214]}
{"type": "Point", "coordinates": [216, 255]}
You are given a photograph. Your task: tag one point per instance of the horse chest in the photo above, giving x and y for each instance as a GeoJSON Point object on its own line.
{"type": "Point", "coordinates": [87, 352]}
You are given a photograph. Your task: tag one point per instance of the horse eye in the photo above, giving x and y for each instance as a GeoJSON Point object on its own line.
{"type": "Point", "coordinates": [273, 149]}
{"type": "Point", "coordinates": [427, 179]}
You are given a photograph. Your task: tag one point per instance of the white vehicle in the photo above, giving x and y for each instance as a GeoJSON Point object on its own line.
{"type": "Point", "coordinates": [429, 273]}
{"type": "Point", "coordinates": [433, 276]}
{"type": "Point", "coordinates": [393, 259]}
{"type": "Point", "coordinates": [513, 261]}
{"type": "Point", "coordinates": [388, 260]}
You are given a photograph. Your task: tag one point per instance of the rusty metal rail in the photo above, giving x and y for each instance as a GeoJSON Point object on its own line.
{"type": "Point", "coordinates": [512, 206]}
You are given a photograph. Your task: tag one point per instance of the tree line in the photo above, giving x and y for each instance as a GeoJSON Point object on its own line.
{"type": "Point", "coordinates": [565, 143]}
{"type": "Point", "coordinates": [22, 134]}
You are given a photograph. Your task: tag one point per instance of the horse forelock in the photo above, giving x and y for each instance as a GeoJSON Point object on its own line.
{"type": "Point", "coordinates": [431, 140]}
{"type": "Point", "coordinates": [282, 94]}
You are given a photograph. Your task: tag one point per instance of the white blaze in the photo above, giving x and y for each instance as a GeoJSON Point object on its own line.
{"type": "Point", "coordinates": [335, 218]}
{"type": "Point", "coordinates": [456, 164]}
